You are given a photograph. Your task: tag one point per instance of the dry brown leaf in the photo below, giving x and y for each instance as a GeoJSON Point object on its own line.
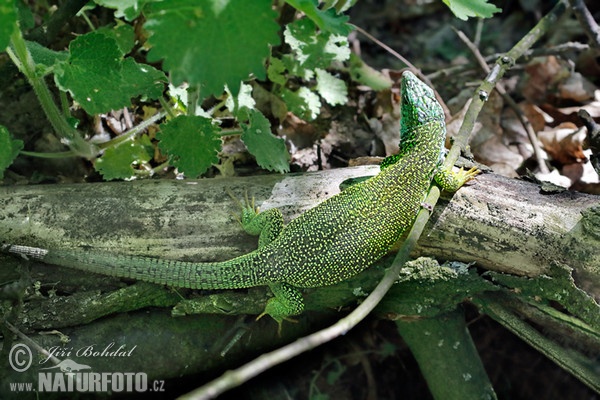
{"type": "Point", "coordinates": [576, 88]}
{"type": "Point", "coordinates": [535, 115]}
{"type": "Point", "coordinates": [564, 143]}
{"type": "Point", "coordinates": [498, 156]}
{"type": "Point", "coordinates": [543, 75]}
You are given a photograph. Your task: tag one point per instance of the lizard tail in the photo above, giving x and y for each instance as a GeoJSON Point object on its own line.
{"type": "Point", "coordinates": [231, 274]}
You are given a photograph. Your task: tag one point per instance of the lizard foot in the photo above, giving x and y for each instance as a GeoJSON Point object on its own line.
{"type": "Point", "coordinates": [267, 224]}
{"type": "Point", "coordinates": [452, 181]}
{"type": "Point", "coordinates": [248, 208]}
{"type": "Point", "coordinates": [287, 301]}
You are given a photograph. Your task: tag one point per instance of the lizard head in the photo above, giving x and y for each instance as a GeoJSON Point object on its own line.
{"type": "Point", "coordinates": [419, 105]}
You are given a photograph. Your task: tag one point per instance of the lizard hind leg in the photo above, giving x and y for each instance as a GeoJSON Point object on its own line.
{"type": "Point", "coordinates": [267, 224]}
{"type": "Point", "coordinates": [286, 302]}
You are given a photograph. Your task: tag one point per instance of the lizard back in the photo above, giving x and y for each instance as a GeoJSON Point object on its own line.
{"type": "Point", "coordinates": [350, 231]}
{"type": "Point", "coordinates": [327, 244]}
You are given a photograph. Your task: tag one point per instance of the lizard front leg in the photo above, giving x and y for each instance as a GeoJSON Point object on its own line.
{"type": "Point", "coordinates": [267, 225]}
{"type": "Point", "coordinates": [452, 181]}
{"type": "Point", "coordinates": [287, 300]}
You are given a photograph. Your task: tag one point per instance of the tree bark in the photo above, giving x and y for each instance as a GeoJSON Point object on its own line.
{"type": "Point", "coordinates": [501, 224]}
{"type": "Point", "coordinates": [505, 225]}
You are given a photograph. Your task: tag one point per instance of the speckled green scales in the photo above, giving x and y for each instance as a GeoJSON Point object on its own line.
{"type": "Point", "coordinates": [327, 244]}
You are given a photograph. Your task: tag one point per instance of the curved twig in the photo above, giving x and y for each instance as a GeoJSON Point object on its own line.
{"type": "Point", "coordinates": [233, 378]}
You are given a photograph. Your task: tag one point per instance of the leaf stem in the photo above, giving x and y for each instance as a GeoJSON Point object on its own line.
{"type": "Point", "coordinates": [62, 154]}
{"type": "Point", "coordinates": [113, 142]}
{"type": "Point", "coordinates": [235, 377]}
{"type": "Point", "coordinates": [87, 20]}
{"type": "Point", "coordinates": [66, 132]}
{"type": "Point", "coordinates": [167, 107]}
{"type": "Point", "coordinates": [231, 132]}
{"type": "Point", "coordinates": [133, 131]}
{"type": "Point", "coordinates": [193, 96]}
{"type": "Point", "coordinates": [152, 171]}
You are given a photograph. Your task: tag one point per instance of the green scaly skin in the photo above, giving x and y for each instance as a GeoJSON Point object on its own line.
{"type": "Point", "coordinates": [327, 244]}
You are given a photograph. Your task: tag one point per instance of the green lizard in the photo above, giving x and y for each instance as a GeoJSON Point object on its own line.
{"type": "Point", "coordinates": [327, 244]}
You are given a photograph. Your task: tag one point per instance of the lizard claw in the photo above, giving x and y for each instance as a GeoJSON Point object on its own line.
{"type": "Point", "coordinates": [279, 321]}
{"type": "Point", "coordinates": [452, 181]}
{"type": "Point", "coordinates": [248, 208]}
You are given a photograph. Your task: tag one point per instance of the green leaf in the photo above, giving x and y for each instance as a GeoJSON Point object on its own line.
{"type": "Point", "coordinates": [303, 103]}
{"type": "Point", "coordinates": [463, 9]}
{"type": "Point", "coordinates": [117, 161]}
{"type": "Point", "coordinates": [100, 79]}
{"type": "Point", "coordinates": [124, 35]}
{"type": "Point", "coordinates": [293, 66]}
{"type": "Point", "coordinates": [9, 149]}
{"type": "Point", "coordinates": [335, 373]}
{"type": "Point", "coordinates": [192, 143]}
{"type": "Point", "coordinates": [212, 43]}
{"type": "Point", "coordinates": [364, 74]}
{"type": "Point", "coordinates": [243, 100]}
{"type": "Point", "coordinates": [270, 151]}
{"type": "Point", "coordinates": [332, 89]}
{"type": "Point", "coordinates": [339, 5]}
{"type": "Point", "coordinates": [43, 56]}
{"type": "Point", "coordinates": [128, 9]}
{"type": "Point", "coordinates": [328, 20]}
{"type": "Point", "coordinates": [312, 49]}
{"type": "Point", "coordinates": [8, 21]}
{"type": "Point", "coordinates": [141, 79]}
{"type": "Point", "coordinates": [275, 71]}
{"type": "Point", "coordinates": [179, 96]}
{"type": "Point", "coordinates": [25, 16]}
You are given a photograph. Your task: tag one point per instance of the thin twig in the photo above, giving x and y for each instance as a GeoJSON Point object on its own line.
{"type": "Point", "coordinates": [495, 74]}
{"type": "Point", "coordinates": [412, 67]}
{"type": "Point", "coordinates": [585, 18]}
{"type": "Point", "coordinates": [127, 135]}
{"type": "Point", "coordinates": [31, 343]}
{"type": "Point", "coordinates": [537, 150]}
{"type": "Point", "coordinates": [236, 377]}
{"type": "Point", "coordinates": [559, 49]}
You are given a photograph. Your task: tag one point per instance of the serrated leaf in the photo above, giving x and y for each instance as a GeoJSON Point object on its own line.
{"type": "Point", "coordinates": [332, 89]}
{"type": "Point", "coordinates": [212, 43]}
{"type": "Point", "coordinates": [122, 33]}
{"type": "Point", "coordinates": [43, 56]}
{"type": "Point", "coordinates": [141, 79]}
{"type": "Point", "coordinates": [117, 161]}
{"type": "Point", "coordinates": [313, 49]}
{"type": "Point", "coordinates": [269, 100]}
{"type": "Point", "coordinates": [100, 79]}
{"type": "Point", "coordinates": [243, 100]}
{"type": "Point", "coordinates": [335, 373]}
{"type": "Point", "coordinates": [8, 21]}
{"type": "Point", "coordinates": [292, 64]}
{"type": "Point", "coordinates": [303, 103]}
{"type": "Point", "coordinates": [327, 20]}
{"type": "Point", "coordinates": [270, 151]}
{"type": "Point", "coordinates": [275, 71]}
{"type": "Point", "coordinates": [128, 9]}
{"type": "Point", "coordinates": [25, 16]}
{"type": "Point", "coordinates": [192, 143]}
{"type": "Point", "coordinates": [340, 5]}
{"type": "Point", "coordinates": [9, 149]}
{"type": "Point", "coordinates": [463, 9]}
